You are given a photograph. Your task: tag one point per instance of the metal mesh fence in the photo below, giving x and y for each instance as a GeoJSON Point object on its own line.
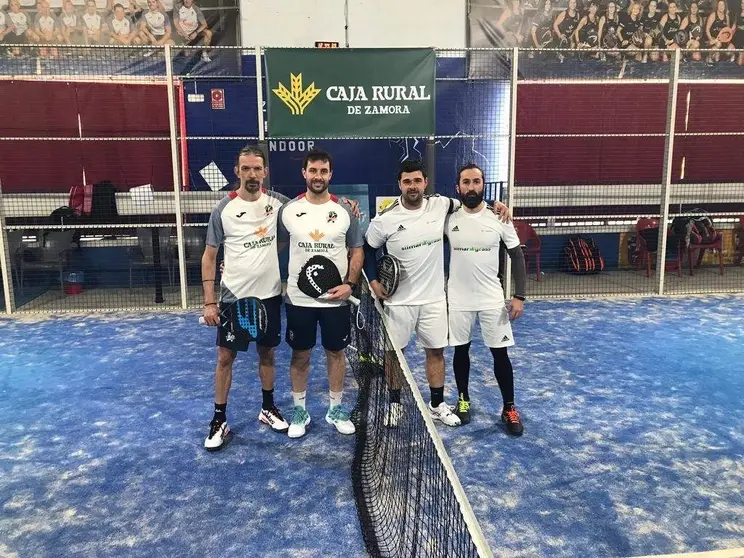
{"type": "Point", "coordinates": [114, 156]}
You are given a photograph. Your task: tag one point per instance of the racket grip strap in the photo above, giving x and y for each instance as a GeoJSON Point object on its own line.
{"type": "Point", "coordinates": [354, 300]}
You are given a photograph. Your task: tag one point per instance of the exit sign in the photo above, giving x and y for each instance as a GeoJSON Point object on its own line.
{"type": "Point", "coordinates": [326, 44]}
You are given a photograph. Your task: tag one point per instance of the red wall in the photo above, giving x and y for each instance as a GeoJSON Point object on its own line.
{"type": "Point", "coordinates": [601, 108]}
{"type": "Point", "coordinates": [39, 109]}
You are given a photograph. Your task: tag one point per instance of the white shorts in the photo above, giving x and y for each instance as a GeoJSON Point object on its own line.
{"type": "Point", "coordinates": [494, 324]}
{"type": "Point", "coordinates": [429, 321]}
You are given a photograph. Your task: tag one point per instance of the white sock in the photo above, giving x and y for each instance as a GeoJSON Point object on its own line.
{"type": "Point", "coordinates": [299, 398]}
{"type": "Point", "coordinates": [335, 397]}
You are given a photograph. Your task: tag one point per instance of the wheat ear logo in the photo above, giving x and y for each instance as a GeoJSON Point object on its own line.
{"type": "Point", "coordinates": [296, 98]}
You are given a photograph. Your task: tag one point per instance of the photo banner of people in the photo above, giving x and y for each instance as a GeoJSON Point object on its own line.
{"type": "Point", "coordinates": [583, 27]}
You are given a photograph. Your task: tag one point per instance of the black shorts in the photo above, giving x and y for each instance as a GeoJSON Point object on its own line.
{"type": "Point", "coordinates": [302, 325]}
{"type": "Point", "coordinates": [234, 338]}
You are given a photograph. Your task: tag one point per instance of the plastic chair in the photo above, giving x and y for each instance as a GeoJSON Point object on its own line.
{"type": "Point", "coordinates": [647, 249]}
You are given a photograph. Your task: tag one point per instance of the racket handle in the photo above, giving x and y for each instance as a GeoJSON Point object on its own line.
{"type": "Point", "coordinates": [354, 300]}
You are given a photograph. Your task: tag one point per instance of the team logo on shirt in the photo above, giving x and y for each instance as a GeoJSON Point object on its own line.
{"type": "Point", "coordinates": [316, 235]}
{"type": "Point", "coordinates": [332, 217]}
{"type": "Point", "coordinates": [269, 209]}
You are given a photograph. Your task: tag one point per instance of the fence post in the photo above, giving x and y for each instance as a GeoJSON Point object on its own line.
{"type": "Point", "coordinates": [6, 261]}
{"type": "Point", "coordinates": [431, 164]}
{"type": "Point", "coordinates": [510, 197]}
{"type": "Point", "coordinates": [666, 182]}
{"type": "Point", "coordinates": [176, 176]}
{"type": "Point", "coordinates": [262, 143]}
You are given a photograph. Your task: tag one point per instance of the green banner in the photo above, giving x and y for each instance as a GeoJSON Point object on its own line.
{"type": "Point", "coordinates": [326, 93]}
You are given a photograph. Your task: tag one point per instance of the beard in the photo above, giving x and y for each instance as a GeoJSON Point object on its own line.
{"type": "Point", "coordinates": [413, 197]}
{"type": "Point", "coordinates": [471, 199]}
{"type": "Point", "coordinates": [252, 185]}
{"type": "Point", "coordinates": [317, 185]}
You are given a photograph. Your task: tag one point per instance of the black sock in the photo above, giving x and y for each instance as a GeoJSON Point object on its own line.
{"type": "Point", "coordinates": [220, 412]}
{"type": "Point", "coordinates": [268, 399]}
{"type": "Point", "coordinates": [461, 366]}
{"type": "Point", "coordinates": [394, 396]}
{"type": "Point", "coordinates": [437, 396]}
{"type": "Point", "coordinates": [502, 369]}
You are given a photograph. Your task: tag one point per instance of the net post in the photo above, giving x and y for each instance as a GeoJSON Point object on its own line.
{"type": "Point", "coordinates": [479, 539]}
{"type": "Point", "coordinates": [172, 123]}
{"type": "Point", "coordinates": [666, 183]}
{"type": "Point", "coordinates": [262, 143]}
{"type": "Point", "coordinates": [509, 199]}
{"type": "Point", "coordinates": [6, 263]}
{"type": "Point", "coordinates": [431, 164]}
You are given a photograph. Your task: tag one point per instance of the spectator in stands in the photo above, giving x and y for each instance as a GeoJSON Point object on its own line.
{"type": "Point", "coordinates": [717, 21]}
{"type": "Point", "coordinates": [630, 32]}
{"type": "Point", "coordinates": [564, 26]}
{"type": "Point", "coordinates": [69, 25]}
{"type": "Point", "coordinates": [739, 34]}
{"type": "Point", "coordinates": [670, 23]}
{"type": "Point", "coordinates": [191, 26]}
{"type": "Point", "coordinates": [511, 23]}
{"type": "Point", "coordinates": [44, 28]}
{"type": "Point", "coordinates": [155, 27]}
{"type": "Point", "coordinates": [123, 31]}
{"type": "Point", "coordinates": [17, 22]}
{"type": "Point", "coordinates": [94, 27]}
{"type": "Point", "coordinates": [693, 25]}
{"type": "Point", "coordinates": [608, 26]}
{"type": "Point", "coordinates": [542, 26]}
{"type": "Point", "coordinates": [652, 30]}
{"type": "Point", "coordinates": [586, 36]}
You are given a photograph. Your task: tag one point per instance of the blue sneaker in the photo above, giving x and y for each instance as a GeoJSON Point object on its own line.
{"type": "Point", "coordinates": [339, 417]}
{"type": "Point", "coordinates": [300, 419]}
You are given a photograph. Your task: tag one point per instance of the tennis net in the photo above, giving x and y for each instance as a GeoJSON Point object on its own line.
{"type": "Point", "coordinates": [408, 498]}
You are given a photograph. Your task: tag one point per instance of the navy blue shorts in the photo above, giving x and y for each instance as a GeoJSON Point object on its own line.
{"type": "Point", "coordinates": [234, 338]}
{"type": "Point", "coordinates": [302, 326]}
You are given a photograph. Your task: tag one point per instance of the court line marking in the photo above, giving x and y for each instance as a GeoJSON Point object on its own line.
{"type": "Point", "coordinates": [727, 553]}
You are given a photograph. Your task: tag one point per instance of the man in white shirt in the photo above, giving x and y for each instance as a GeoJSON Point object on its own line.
{"type": "Point", "coordinates": [191, 26]}
{"type": "Point", "coordinates": [155, 27]}
{"type": "Point", "coordinates": [316, 223]}
{"type": "Point", "coordinates": [474, 292]}
{"type": "Point", "coordinates": [245, 223]}
{"type": "Point", "coordinates": [412, 230]}
{"type": "Point", "coordinates": [44, 26]}
{"type": "Point", "coordinates": [18, 26]}
{"type": "Point", "coordinates": [70, 25]}
{"type": "Point", "coordinates": [122, 29]}
{"type": "Point", "coordinates": [94, 26]}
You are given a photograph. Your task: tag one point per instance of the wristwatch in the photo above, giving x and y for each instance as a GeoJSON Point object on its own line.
{"type": "Point", "coordinates": [519, 297]}
{"type": "Point", "coordinates": [350, 283]}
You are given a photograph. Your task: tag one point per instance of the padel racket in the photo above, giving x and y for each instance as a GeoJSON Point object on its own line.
{"type": "Point", "coordinates": [388, 273]}
{"type": "Point", "coordinates": [724, 35]}
{"type": "Point", "coordinates": [250, 317]}
{"type": "Point", "coordinates": [318, 276]}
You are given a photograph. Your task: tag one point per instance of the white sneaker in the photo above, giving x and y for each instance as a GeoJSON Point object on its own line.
{"type": "Point", "coordinates": [205, 57]}
{"type": "Point", "coordinates": [339, 417]}
{"type": "Point", "coordinates": [219, 435]}
{"type": "Point", "coordinates": [394, 415]}
{"type": "Point", "coordinates": [274, 419]}
{"type": "Point", "coordinates": [300, 419]}
{"type": "Point", "coordinates": [443, 413]}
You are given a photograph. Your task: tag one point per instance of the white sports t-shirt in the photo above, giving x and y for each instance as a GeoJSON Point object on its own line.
{"type": "Point", "coordinates": [189, 18]}
{"type": "Point", "coordinates": [20, 21]}
{"type": "Point", "coordinates": [248, 231]}
{"type": "Point", "coordinates": [415, 237]}
{"type": "Point", "coordinates": [474, 240]}
{"type": "Point", "coordinates": [157, 22]}
{"type": "Point", "coordinates": [121, 27]}
{"type": "Point", "coordinates": [68, 20]}
{"type": "Point", "coordinates": [92, 22]}
{"type": "Point", "coordinates": [45, 23]}
{"type": "Point", "coordinates": [328, 229]}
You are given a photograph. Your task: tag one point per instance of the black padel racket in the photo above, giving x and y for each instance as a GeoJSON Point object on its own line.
{"type": "Point", "coordinates": [250, 317]}
{"type": "Point", "coordinates": [388, 273]}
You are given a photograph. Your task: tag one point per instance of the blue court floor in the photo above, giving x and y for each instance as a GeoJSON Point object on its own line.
{"type": "Point", "coordinates": [634, 440]}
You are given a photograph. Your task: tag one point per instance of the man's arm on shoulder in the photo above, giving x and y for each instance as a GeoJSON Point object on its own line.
{"type": "Point", "coordinates": [354, 242]}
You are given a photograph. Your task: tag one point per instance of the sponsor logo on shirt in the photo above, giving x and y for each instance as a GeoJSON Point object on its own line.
{"type": "Point", "coordinates": [473, 249]}
{"type": "Point", "coordinates": [422, 243]}
{"type": "Point", "coordinates": [269, 209]}
{"type": "Point", "coordinates": [332, 217]}
{"type": "Point", "coordinates": [316, 246]}
{"type": "Point", "coordinates": [316, 235]}
{"type": "Point", "coordinates": [261, 232]}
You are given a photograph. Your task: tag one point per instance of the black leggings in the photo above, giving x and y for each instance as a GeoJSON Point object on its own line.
{"type": "Point", "coordinates": [502, 370]}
